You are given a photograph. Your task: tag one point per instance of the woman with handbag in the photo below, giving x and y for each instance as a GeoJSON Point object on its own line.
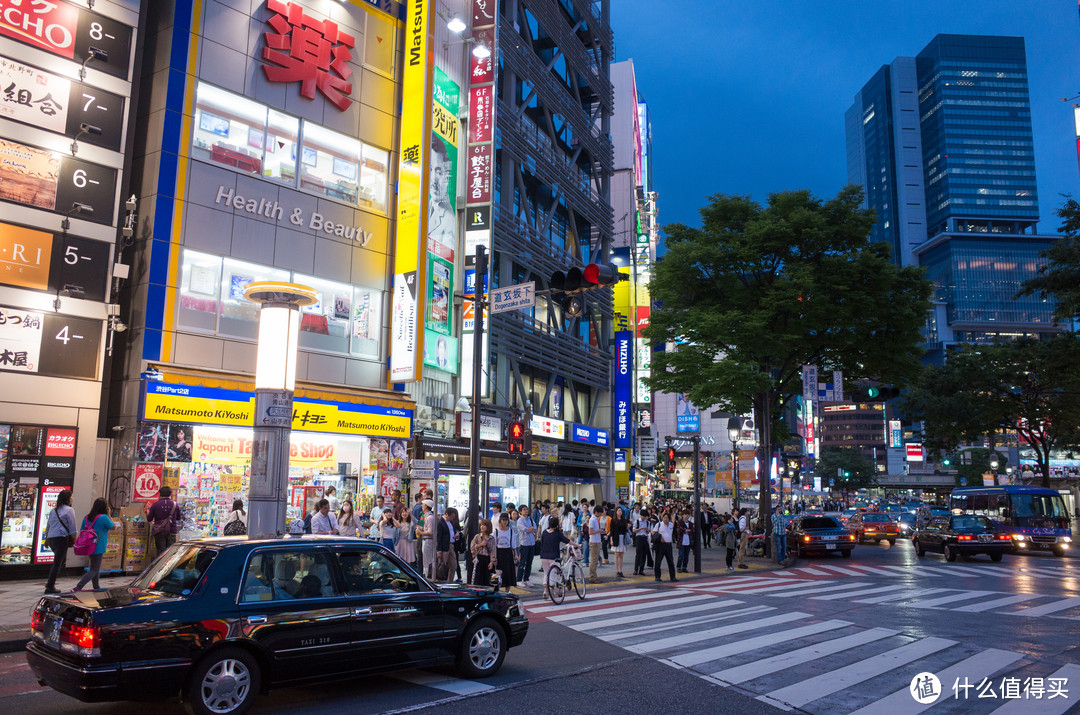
{"type": "Point", "coordinates": [60, 534]}
{"type": "Point", "coordinates": [482, 549]}
{"type": "Point", "coordinates": [95, 535]}
{"type": "Point", "coordinates": [620, 527]}
{"type": "Point", "coordinates": [236, 521]}
{"type": "Point", "coordinates": [163, 517]}
{"type": "Point", "coordinates": [506, 554]}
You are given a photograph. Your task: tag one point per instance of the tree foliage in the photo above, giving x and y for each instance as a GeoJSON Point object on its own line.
{"type": "Point", "coordinates": [1028, 385]}
{"type": "Point", "coordinates": [1059, 277]}
{"type": "Point", "coordinates": [758, 291]}
{"type": "Point", "coordinates": [834, 462]}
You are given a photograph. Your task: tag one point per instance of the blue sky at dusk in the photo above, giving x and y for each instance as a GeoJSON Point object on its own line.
{"type": "Point", "coordinates": [749, 97]}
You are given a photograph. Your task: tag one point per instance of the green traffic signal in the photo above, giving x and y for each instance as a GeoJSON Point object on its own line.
{"type": "Point", "coordinates": [946, 462]}
{"type": "Point", "coordinates": [873, 392]}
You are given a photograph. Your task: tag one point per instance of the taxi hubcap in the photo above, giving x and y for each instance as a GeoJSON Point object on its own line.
{"type": "Point", "coordinates": [484, 648]}
{"type": "Point", "coordinates": [226, 685]}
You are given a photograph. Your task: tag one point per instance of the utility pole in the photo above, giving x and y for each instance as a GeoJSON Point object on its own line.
{"type": "Point", "coordinates": [697, 503]}
{"type": "Point", "coordinates": [474, 441]}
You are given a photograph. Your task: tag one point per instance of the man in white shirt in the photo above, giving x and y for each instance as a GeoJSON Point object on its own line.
{"type": "Point", "coordinates": [324, 521]}
{"type": "Point", "coordinates": [377, 510]}
{"type": "Point", "coordinates": [663, 550]}
{"type": "Point", "coordinates": [594, 543]}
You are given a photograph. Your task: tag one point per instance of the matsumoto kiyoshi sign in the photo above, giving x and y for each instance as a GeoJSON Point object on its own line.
{"type": "Point", "coordinates": [272, 209]}
{"type": "Point", "coordinates": [167, 402]}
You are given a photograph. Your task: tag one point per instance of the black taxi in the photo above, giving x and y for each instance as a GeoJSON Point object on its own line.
{"type": "Point", "coordinates": [218, 621]}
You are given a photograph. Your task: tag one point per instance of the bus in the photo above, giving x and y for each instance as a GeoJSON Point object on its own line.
{"type": "Point", "coordinates": [1035, 516]}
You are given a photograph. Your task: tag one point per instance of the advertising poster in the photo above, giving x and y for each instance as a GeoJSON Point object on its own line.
{"type": "Point", "coordinates": [152, 439]}
{"type": "Point", "coordinates": [378, 454]}
{"type": "Point", "coordinates": [60, 451]}
{"type": "Point", "coordinates": [26, 447]}
{"type": "Point", "coordinates": [28, 175]}
{"type": "Point", "coordinates": [441, 352]}
{"type": "Point", "coordinates": [5, 439]}
{"type": "Point", "coordinates": [440, 292]}
{"type": "Point", "coordinates": [442, 219]}
{"type": "Point", "coordinates": [32, 96]}
{"type": "Point", "coordinates": [147, 482]}
{"type": "Point", "coordinates": [42, 553]}
{"type": "Point", "coordinates": [25, 256]}
{"type": "Point", "coordinates": [179, 447]}
{"type": "Point", "coordinates": [687, 419]}
{"type": "Point", "coordinates": [17, 537]}
{"type": "Point", "coordinates": [20, 338]}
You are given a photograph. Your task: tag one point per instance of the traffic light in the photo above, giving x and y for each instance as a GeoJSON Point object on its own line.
{"type": "Point", "coordinates": [671, 460]}
{"type": "Point", "coordinates": [872, 393]}
{"type": "Point", "coordinates": [576, 280]}
{"type": "Point", "coordinates": [515, 437]}
{"type": "Point", "coordinates": [946, 462]}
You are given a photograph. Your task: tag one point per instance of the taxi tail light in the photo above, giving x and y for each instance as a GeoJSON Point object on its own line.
{"type": "Point", "coordinates": [851, 537]}
{"type": "Point", "coordinates": [37, 620]}
{"type": "Point", "coordinates": [1003, 537]}
{"type": "Point", "coordinates": [965, 537]}
{"type": "Point", "coordinates": [84, 640]}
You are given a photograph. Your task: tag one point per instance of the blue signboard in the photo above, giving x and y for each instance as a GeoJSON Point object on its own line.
{"type": "Point", "coordinates": [624, 413]}
{"type": "Point", "coordinates": [687, 419]}
{"type": "Point", "coordinates": [589, 435]}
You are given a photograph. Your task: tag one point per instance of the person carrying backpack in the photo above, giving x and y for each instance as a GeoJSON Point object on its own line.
{"type": "Point", "coordinates": [163, 517]}
{"type": "Point", "coordinates": [93, 540]}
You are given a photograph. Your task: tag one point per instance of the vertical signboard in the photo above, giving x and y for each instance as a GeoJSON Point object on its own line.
{"type": "Point", "coordinates": [442, 221]}
{"type": "Point", "coordinates": [624, 413]}
{"type": "Point", "coordinates": [480, 152]}
{"type": "Point", "coordinates": [407, 310]}
{"type": "Point", "coordinates": [687, 418]}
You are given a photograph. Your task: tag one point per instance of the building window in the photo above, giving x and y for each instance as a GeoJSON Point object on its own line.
{"type": "Point", "coordinates": [234, 131]}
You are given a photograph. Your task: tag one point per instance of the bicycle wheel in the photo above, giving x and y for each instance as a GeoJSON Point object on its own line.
{"type": "Point", "coordinates": [556, 587]}
{"type": "Point", "coordinates": [577, 575]}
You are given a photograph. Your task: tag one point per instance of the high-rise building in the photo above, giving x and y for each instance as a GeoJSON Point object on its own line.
{"type": "Point", "coordinates": [942, 143]}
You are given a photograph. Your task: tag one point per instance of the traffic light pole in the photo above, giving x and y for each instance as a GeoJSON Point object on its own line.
{"type": "Point", "coordinates": [474, 441]}
{"type": "Point", "coordinates": [697, 504]}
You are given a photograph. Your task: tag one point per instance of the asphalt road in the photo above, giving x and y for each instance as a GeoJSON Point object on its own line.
{"type": "Point", "coordinates": [830, 635]}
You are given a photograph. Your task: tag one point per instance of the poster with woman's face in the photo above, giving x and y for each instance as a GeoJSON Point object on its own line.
{"type": "Point", "coordinates": [179, 449]}
{"type": "Point", "coordinates": [152, 438]}
{"type": "Point", "coordinates": [398, 452]}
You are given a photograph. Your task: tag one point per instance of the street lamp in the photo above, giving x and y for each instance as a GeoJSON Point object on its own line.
{"type": "Point", "coordinates": [275, 381]}
{"type": "Point", "coordinates": [734, 432]}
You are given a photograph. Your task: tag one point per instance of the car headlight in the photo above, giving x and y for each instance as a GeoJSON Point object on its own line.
{"type": "Point", "coordinates": [1019, 537]}
{"type": "Point", "coordinates": [1067, 539]}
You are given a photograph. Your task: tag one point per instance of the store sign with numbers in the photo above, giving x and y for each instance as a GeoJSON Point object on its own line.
{"type": "Point", "coordinates": [48, 343]}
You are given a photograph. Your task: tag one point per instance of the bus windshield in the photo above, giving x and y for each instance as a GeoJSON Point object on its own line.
{"type": "Point", "coordinates": [1028, 508]}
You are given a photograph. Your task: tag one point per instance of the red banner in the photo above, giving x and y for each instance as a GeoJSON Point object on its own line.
{"type": "Point", "coordinates": [481, 114]}
{"type": "Point", "coordinates": [50, 26]}
{"type": "Point", "coordinates": [479, 171]}
{"type": "Point", "coordinates": [147, 482]}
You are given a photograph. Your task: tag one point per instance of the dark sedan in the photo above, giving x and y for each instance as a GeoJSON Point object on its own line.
{"type": "Point", "coordinates": [963, 535]}
{"type": "Point", "coordinates": [217, 621]}
{"type": "Point", "coordinates": [820, 534]}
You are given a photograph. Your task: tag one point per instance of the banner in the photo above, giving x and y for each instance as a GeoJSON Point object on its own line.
{"type": "Point", "coordinates": [624, 416]}
{"type": "Point", "coordinates": [147, 482]}
{"type": "Point", "coordinates": [407, 311]}
{"type": "Point", "coordinates": [20, 339]}
{"type": "Point", "coordinates": [441, 352]}
{"type": "Point", "coordinates": [687, 419]}
{"type": "Point", "coordinates": [233, 447]}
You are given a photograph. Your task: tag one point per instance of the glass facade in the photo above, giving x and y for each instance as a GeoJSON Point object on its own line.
{"type": "Point", "coordinates": [978, 279]}
{"type": "Point", "coordinates": [870, 127]}
{"type": "Point", "coordinates": [978, 156]}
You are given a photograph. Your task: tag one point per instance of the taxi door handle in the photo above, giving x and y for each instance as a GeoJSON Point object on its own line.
{"type": "Point", "coordinates": [361, 611]}
{"type": "Point", "coordinates": [256, 620]}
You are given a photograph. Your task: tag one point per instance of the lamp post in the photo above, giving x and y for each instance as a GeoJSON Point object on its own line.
{"type": "Point", "coordinates": [697, 502]}
{"type": "Point", "coordinates": [275, 381]}
{"type": "Point", "coordinates": [734, 431]}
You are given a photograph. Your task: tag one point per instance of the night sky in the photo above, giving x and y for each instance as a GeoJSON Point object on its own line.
{"type": "Point", "coordinates": [749, 97]}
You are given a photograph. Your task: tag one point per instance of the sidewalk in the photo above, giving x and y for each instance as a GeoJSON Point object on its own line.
{"type": "Point", "coordinates": [18, 598]}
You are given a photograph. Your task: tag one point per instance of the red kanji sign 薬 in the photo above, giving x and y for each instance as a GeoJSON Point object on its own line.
{"type": "Point", "coordinates": [313, 52]}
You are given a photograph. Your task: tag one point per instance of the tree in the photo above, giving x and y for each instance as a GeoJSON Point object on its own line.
{"type": "Point", "coordinates": [1059, 277]}
{"type": "Point", "coordinates": [851, 469]}
{"type": "Point", "coordinates": [759, 291]}
{"type": "Point", "coordinates": [1026, 385]}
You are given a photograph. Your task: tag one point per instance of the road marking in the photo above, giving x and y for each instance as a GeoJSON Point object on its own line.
{"type": "Point", "coordinates": [1048, 608]}
{"type": "Point", "coordinates": [663, 602]}
{"type": "Point", "coordinates": [767, 589]}
{"type": "Point", "coordinates": [979, 666]}
{"type": "Point", "coordinates": [638, 617]}
{"type": "Point", "coordinates": [850, 594]}
{"type": "Point", "coordinates": [687, 638]}
{"type": "Point", "coordinates": [814, 572]}
{"type": "Point", "coordinates": [939, 571]}
{"type": "Point", "coordinates": [600, 594]}
{"type": "Point", "coordinates": [442, 682]}
{"type": "Point", "coordinates": [767, 666]}
{"type": "Point", "coordinates": [968, 569]}
{"type": "Point", "coordinates": [821, 589]}
{"type": "Point", "coordinates": [903, 595]}
{"type": "Point", "coordinates": [809, 690]}
{"type": "Point", "coordinates": [746, 645]}
{"type": "Point", "coordinates": [1045, 707]}
{"type": "Point", "coordinates": [997, 603]}
{"type": "Point", "coordinates": [843, 570]}
{"type": "Point", "coordinates": [604, 602]}
{"type": "Point", "coordinates": [732, 581]}
{"type": "Point", "coordinates": [964, 596]}
{"type": "Point", "coordinates": [670, 626]}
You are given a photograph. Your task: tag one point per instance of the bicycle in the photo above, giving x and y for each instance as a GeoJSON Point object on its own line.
{"type": "Point", "coordinates": [568, 573]}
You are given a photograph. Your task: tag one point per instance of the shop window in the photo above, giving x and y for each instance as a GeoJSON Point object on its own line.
{"type": "Point", "coordinates": [325, 325]}
{"type": "Point", "coordinates": [200, 286]}
{"type": "Point", "coordinates": [330, 163]}
{"type": "Point", "coordinates": [373, 178]}
{"type": "Point", "coordinates": [280, 142]}
{"type": "Point", "coordinates": [366, 322]}
{"type": "Point", "coordinates": [229, 129]}
{"type": "Point", "coordinates": [239, 316]}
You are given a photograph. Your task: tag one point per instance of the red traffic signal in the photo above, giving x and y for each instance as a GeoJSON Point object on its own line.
{"type": "Point", "coordinates": [596, 274]}
{"type": "Point", "coordinates": [515, 438]}
{"type": "Point", "coordinates": [671, 459]}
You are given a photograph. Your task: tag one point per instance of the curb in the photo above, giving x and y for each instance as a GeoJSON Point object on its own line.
{"type": "Point", "coordinates": [14, 642]}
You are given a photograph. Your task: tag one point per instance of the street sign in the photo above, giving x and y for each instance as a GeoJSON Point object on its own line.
{"type": "Point", "coordinates": [423, 464]}
{"type": "Point", "coordinates": [274, 408]}
{"type": "Point", "coordinates": [503, 300]}
{"type": "Point", "coordinates": [423, 468]}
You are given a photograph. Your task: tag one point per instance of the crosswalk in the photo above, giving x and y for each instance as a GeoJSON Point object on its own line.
{"type": "Point", "coordinates": [794, 660]}
{"type": "Point", "coordinates": [933, 568]}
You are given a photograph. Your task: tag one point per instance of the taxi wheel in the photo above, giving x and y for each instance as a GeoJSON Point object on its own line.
{"type": "Point", "coordinates": [892, 542]}
{"type": "Point", "coordinates": [919, 550]}
{"type": "Point", "coordinates": [996, 557]}
{"type": "Point", "coordinates": [226, 681]}
{"type": "Point", "coordinates": [862, 539]}
{"type": "Point", "coordinates": [1060, 553]}
{"type": "Point", "coordinates": [846, 553]}
{"type": "Point", "coordinates": [482, 649]}
{"type": "Point", "coordinates": [950, 553]}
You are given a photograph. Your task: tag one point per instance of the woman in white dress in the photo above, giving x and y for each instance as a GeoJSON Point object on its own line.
{"type": "Point", "coordinates": [406, 536]}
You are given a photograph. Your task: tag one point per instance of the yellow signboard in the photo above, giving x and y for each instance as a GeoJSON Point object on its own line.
{"type": "Point", "coordinates": [407, 310]}
{"type": "Point", "coordinates": [24, 257]}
